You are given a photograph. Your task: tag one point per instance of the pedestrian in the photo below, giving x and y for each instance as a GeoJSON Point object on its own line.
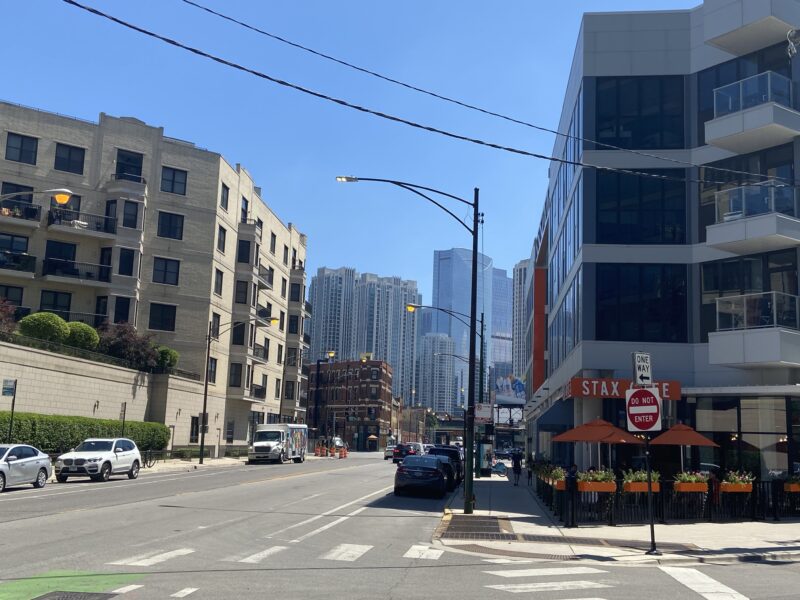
{"type": "Point", "coordinates": [529, 466]}
{"type": "Point", "coordinates": [516, 466]}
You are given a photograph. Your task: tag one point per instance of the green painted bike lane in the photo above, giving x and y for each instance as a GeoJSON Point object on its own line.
{"type": "Point", "coordinates": [64, 581]}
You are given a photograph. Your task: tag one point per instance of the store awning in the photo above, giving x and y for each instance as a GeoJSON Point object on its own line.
{"type": "Point", "coordinates": [373, 437]}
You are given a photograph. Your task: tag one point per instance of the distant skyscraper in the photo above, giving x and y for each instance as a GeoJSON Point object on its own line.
{"type": "Point", "coordinates": [436, 373]}
{"type": "Point", "coordinates": [365, 314]}
{"type": "Point", "coordinates": [500, 358]}
{"type": "Point", "coordinates": [519, 323]}
{"type": "Point", "coordinates": [452, 273]}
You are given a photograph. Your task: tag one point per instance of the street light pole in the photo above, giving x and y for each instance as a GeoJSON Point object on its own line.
{"type": "Point", "coordinates": [203, 415]}
{"type": "Point", "coordinates": [480, 386]}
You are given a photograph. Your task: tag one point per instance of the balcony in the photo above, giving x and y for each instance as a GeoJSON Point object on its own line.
{"type": "Point", "coordinates": [755, 218]}
{"type": "Point", "coordinates": [127, 186]}
{"type": "Point", "coordinates": [67, 271]}
{"type": "Point", "coordinates": [307, 339]}
{"type": "Point", "coordinates": [258, 353]}
{"type": "Point", "coordinates": [742, 26]}
{"type": "Point", "coordinates": [307, 308]}
{"type": "Point", "coordinates": [25, 214]}
{"type": "Point", "coordinates": [756, 330]}
{"type": "Point", "coordinates": [259, 392]}
{"type": "Point", "coordinates": [264, 277]}
{"type": "Point", "coordinates": [80, 223]}
{"type": "Point", "coordinates": [69, 316]}
{"type": "Point", "coordinates": [263, 316]}
{"type": "Point", "coordinates": [17, 264]}
{"type": "Point", "coordinates": [754, 113]}
{"type": "Point", "coordinates": [250, 228]}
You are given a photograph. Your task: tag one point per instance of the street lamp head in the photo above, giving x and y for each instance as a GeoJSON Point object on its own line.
{"type": "Point", "coordinates": [61, 195]}
{"type": "Point", "coordinates": [331, 353]}
{"type": "Point", "coordinates": [346, 179]}
{"type": "Point", "coordinates": [412, 307]}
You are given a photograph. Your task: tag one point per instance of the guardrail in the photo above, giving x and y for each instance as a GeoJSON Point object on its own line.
{"type": "Point", "coordinates": [752, 200]}
{"type": "Point", "coordinates": [77, 270]}
{"type": "Point", "coordinates": [128, 177]}
{"type": "Point", "coordinates": [81, 220]}
{"type": "Point", "coordinates": [17, 261]}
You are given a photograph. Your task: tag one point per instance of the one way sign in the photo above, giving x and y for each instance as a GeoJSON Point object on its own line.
{"type": "Point", "coordinates": [642, 369]}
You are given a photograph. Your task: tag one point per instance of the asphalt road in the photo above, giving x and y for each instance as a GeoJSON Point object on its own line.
{"type": "Point", "coordinates": [323, 529]}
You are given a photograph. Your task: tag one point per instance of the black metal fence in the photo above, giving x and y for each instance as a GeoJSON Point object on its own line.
{"type": "Point", "coordinates": [70, 268]}
{"type": "Point", "coordinates": [81, 220]}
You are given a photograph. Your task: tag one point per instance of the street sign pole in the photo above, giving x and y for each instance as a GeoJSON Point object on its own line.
{"type": "Point", "coordinates": [10, 385]}
{"type": "Point", "coordinates": [653, 550]}
{"type": "Point", "coordinates": [122, 411]}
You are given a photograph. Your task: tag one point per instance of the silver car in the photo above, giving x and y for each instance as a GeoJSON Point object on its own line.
{"type": "Point", "coordinates": [20, 465]}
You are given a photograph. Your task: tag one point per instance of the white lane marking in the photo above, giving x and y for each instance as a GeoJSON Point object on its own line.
{"type": "Point", "coordinates": [328, 512]}
{"type": "Point", "coordinates": [554, 572]}
{"type": "Point", "coordinates": [551, 586]}
{"type": "Point", "coordinates": [424, 552]}
{"type": "Point", "coordinates": [256, 558]}
{"type": "Point", "coordinates": [328, 526]}
{"type": "Point", "coordinates": [126, 589]}
{"type": "Point", "coordinates": [706, 586]}
{"type": "Point", "coordinates": [138, 561]}
{"type": "Point", "coordinates": [301, 500]}
{"type": "Point", "coordinates": [346, 552]}
{"type": "Point", "coordinates": [184, 592]}
{"type": "Point", "coordinates": [507, 561]}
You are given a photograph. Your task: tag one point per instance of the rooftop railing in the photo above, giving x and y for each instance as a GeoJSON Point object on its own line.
{"type": "Point", "coordinates": [757, 311]}
{"type": "Point", "coordinates": [752, 200]}
{"type": "Point", "coordinates": [753, 91]}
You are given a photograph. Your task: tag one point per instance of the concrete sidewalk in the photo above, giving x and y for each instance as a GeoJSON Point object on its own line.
{"type": "Point", "coordinates": [510, 521]}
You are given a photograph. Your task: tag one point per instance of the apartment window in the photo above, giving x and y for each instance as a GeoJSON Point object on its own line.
{"type": "Point", "coordinates": [273, 240]}
{"type": "Point", "coordinates": [13, 243]}
{"type": "Point", "coordinates": [294, 292]}
{"type": "Point", "coordinates": [166, 270]}
{"type": "Point", "coordinates": [237, 334]}
{"type": "Point", "coordinates": [374, 374]}
{"type": "Point", "coordinates": [212, 369]}
{"type": "Point", "coordinates": [291, 356]}
{"type": "Point", "coordinates": [235, 377]}
{"type": "Point", "coordinates": [21, 148]}
{"type": "Point", "coordinates": [194, 430]}
{"type": "Point", "coordinates": [280, 354]}
{"type": "Point", "coordinates": [243, 252]}
{"type": "Point", "coordinates": [57, 302]}
{"type": "Point", "coordinates": [285, 254]}
{"type": "Point", "coordinates": [288, 392]}
{"type": "Point", "coordinates": [122, 309]}
{"type": "Point", "coordinates": [173, 181]}
{"type": "Point", "coordinates": [266, 352]}
{"type": "Point", "coordinates": [162, 317]}
{"type": "Point", "coordinates": [221, 235]}
{"type": "Point", "coordinates": [269, 309]}
{"type": "Point", "coordinates": [13, 188]}
{"type": "Point", "coordinates": [277, 388]}
{"type": "Point", "coordinates": [229, 429]}
{"type": "Point", "coordinates": [248, 378]}
{"type": "Point", "coordinates": [223, 197]}
{"type": "Point", "coordinates": [170, 225]}
{"type": "Point", "coordinates": [640, 112]}
{"type": "Point", "coordinates": [129, 165]}
{"type": "Point", "coordinates": [282, 321]}
{"type": "Point", "coordinates": [126, 261]}
{"type": "Point", "coordinates": [245, 209]}
{"type": "Point", "coordinates": [11, 294]}
{"type": "Point", "coordinates": [284, 283]}
{"type": "Point", "coordinates": [218, 282]}
{"type": "Point", "coordinates": [294, 324]}
{"type": "Point", "coordinates": [69, 159]}
{"type": "Point", "coordinates": [373, 392]}
{"type": "Point", "coordinates": [215, 322]}
{"type": "Point", "coordinates": [240, 294]}
{"type": "Point", "coordinates": [130, 214]}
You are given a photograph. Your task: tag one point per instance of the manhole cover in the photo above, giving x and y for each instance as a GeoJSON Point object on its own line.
{"type": "Point", "coordinates": [75, 596]}
{"type": "Point", "coordinates": [485, 525]}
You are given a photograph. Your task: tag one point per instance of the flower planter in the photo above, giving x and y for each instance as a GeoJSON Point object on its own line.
{"type": "Point", "coordinates": [793, 488]}
{"type": "Point", "coordinates": [597, 486]}
{"type": "Point", "coordinates": [640, 486]}
{"type": "Point", "coordinates": [735, 488]}
{"type": "Point", "coordinates": [687, 486]}
{"type": "Point", "coordinates": [559, 484]}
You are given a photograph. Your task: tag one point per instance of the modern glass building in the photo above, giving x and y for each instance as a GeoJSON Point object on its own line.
{"type": "Point", "coordinates": [682, 238]}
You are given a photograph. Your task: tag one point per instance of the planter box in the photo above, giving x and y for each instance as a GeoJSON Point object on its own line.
{"type": "Point", "coordinates": [559, 484]}
{"type": "Point", "coordinates": [685, 486]}
{"type": "Point", "coordinates": [736, 488]}
{"type": "Point", "coordinates": [640, 486]}
{"type": "Point", "coordinates": [791, 487]}
{"type": "Point", "coordinates": [597, 486]}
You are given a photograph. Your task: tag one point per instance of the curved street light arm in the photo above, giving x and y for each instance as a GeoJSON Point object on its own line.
{"type": "Point", "coordinates": [415, 186]}
{"type": "Point", "coordinates": [439, 204]}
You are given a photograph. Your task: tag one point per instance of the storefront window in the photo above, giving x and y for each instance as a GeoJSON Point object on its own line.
{"type": "Point", "coordinates": [766, 415]}
{"type": "Point", "coordinates": [764, 454]}
{"type": "Point", "coordinates": [717, 414]}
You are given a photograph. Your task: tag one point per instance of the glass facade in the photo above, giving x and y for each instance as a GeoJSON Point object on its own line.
{"type": "Point", "coordinates": [564, 331]}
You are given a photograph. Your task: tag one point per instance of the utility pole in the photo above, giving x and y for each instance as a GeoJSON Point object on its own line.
{"type": "Point", "coordinates": [483, 332]}
{"type": "Point", "coordinates": [469, 504]}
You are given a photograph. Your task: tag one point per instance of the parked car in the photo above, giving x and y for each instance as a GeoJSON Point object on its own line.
{"type": "Point", "coordinates": [400, 451]}
{"type": "Point", "coordinates": [421, 474]}
{"type": "Point", "coordinates": [427, 447]}
{"type": "Point", "coordinates": [503, 454]}
{"type": "Point", "coordinates": [449, 471]}
{"type": "Point", "coordinates": [388, 453]}
{"type": "Point", "coordinates": [99, 459]}
{"type": "Point", "coordinates": [454, 454]}
{"type": "Point", "coordinates": [21, 465]}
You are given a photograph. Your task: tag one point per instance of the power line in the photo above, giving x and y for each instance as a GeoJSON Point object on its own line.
{"type": "Point", "coordinates": [384, 115]}
{"type": "Point", "coordinates": [464, 104]}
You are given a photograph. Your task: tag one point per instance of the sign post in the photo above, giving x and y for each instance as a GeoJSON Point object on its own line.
{"type": "Point", "coordinates": [122, 411]}
{"type": "Point", "coordinates": [643, 409]}
{"type": "Point", "coordinates": [10, 389]}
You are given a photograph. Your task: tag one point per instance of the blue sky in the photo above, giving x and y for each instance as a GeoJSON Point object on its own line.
{"type": "Point", "coordinates": [510, 57]}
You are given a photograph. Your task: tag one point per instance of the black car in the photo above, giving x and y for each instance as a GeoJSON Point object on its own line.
{"type": "Point", "coordinates": [454, 454]}
{"type": "Point", "coordinates": [421, 474]}
{"type": "Point", "coordinates": [402, 450]}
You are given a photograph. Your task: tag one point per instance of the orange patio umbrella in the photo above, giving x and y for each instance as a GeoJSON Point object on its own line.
{"type": "Point", "coordinates": [599, 432]}
{"type": "Point", "coordinates": [682, 435]}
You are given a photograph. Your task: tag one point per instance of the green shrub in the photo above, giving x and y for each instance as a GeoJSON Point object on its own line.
{"type": "Point", "coordinates": [57, 433]}
{"type": "Point", "coordinates": [45, 326]}
{"type": "Point", "coordinates": [82, 336]}
{"type": "Point", "coordinates": [122, 341]}
{"type": "Point", "coordinates": [167, 357]}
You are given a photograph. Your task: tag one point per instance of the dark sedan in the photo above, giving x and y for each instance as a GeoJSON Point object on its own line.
{"type": "Point", "coordinates": [421, 474]}
{"type": "Point", "coordinates": [454, 454]}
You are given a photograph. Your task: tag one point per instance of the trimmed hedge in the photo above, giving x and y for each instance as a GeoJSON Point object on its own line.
{"type": "Point", "coordinates": [45, 326]}
{"type": "Point", "coordinates": [167, 357]}
{"type": "Point", "coordinates": [82, 336]}
{"type": "Point", "coordinates": [58, 433]}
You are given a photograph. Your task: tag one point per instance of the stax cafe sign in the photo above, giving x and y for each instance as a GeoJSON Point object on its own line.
{"type": "Point", "coordinates": [580, 387]}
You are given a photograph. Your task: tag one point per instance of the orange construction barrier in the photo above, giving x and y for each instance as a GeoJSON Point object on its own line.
{"type": "Point", "coordinates": [316, 451]}
{"type": "Point", "coordinates": [341, 453]}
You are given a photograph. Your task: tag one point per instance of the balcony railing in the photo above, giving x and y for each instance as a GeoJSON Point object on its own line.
{"type": "Point", "coordinates": [20, 210]}
{"type": "Point", "coordinates": [21, 312]}
{"type": "Point", "coordinates": [70, 268]}
{"type": "Point", "coordinates": [259, 352]}
{"type": "Point", "coordinates": [80, 220]}
{"type": "Point", "coordinates": [307, 306]}
{"type": "Point", "coordinates": [752, 200]}
{"type": "Point", "coordinates": [258, 391]}
{"type": "Point", "coordinates": [129, 177]}
{"type": "Point", "coordinates": [753, 91]}
{"type": "Point", "coordinates": [17, 261]}
{"type": "Point", "coordinates": [756, 311]}
{"type": "Point", "coordinates": [307, 338]}
{"type": "Point", "coordinates": [265, 276]}
{"type": "Point", "coordinates": [69, 316]}
{"type": "Point", "coordinates": [263, 313]}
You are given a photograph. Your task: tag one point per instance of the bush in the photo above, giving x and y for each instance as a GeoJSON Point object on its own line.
{"type": "Point", "coordinates": [7, 312]}
{"type": "Point", "coordinates": [640, 476]}
{"type": "Point", "coordinates": [45, 326]}
{"type": "Point", "coordinates": [167, 357]}
{"type": "Point", "coordinates": [82, 336]}
{"type": "Point", "coordinates": [57, 433]}
{"type": "Point", "coordinates": [601, 475]}
{"type": "Point", "coordinates": [121, 341]}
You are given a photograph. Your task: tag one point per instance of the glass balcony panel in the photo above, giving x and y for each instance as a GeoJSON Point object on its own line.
{"type": "Point", "coordinates": [756, 200]}
{"type": "Point", "coordinates": [783, 201]}
{"type": "Point", "coordinates": [730, 313]}
{"type": "Point", "coordinates": [786, 311]}
{"type": "Point", "coordinates": [759, 311]}
{"type": "Point", "coordinates": [726, 100]}
{"type": "Point", "coordinates": [753, 200]}
{"type": "Point", "coordinates": [754, 311]}
{"type": "Point", "coordinates": [752, 91]}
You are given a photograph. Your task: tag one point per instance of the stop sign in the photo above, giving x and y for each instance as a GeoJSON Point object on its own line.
{"type": "Point", "coordinates": [643, 407]}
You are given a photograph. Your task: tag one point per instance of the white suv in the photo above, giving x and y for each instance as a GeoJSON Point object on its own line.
{"type": "Point", "coordinates": [99, 458]}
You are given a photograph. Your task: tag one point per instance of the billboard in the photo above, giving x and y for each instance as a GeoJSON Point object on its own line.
{"type": "Point", "coordinates": [509, 390]}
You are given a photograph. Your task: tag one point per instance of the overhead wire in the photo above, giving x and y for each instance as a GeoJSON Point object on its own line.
{"type": "Point", "coordinates": [468, 105]}
{"type": "Point", "coordinates": [384, 115]}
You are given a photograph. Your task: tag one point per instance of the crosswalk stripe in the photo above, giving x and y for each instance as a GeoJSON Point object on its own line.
{"type": "Point", "coordinates": [424, 552]}
{"type": "Point", "coordinates": [547, 572]}
{"type": "Point", "coordinates": [347, 552]}
{"type": "Point", "coordinates": [507, 561]}
{"type": "Point", "coordinates": [550, 586]}
{"type": "Point", "coordinates": [259, 556]}
{"type": "Point", "coordinates": [184, 592]}
{"type": "Point", "coordinates": [138, 561]}
{"type": "Point", "coordinates": [126, 589]}
{"type": "Point", "coordinates": [708, 587]}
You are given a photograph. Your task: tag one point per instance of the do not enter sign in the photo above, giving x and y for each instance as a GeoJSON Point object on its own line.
{"type": "Point", "coordinates": [643, 407]}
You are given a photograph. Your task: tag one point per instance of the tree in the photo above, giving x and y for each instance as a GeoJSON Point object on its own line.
{"type": "Point", "coordinates": [123, 342]}
{"type": "Point", "coordinates": [7, 322]}
{"type": "Point", "coordinates": [45, 326]}
{"type": "Point", "coordinates": [167, 357]}
{"type": "Point", "coordinates": [82, 336]}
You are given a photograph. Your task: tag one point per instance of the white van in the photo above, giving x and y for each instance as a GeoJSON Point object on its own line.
{"type": "Point", "coordinates": [279, 442]}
